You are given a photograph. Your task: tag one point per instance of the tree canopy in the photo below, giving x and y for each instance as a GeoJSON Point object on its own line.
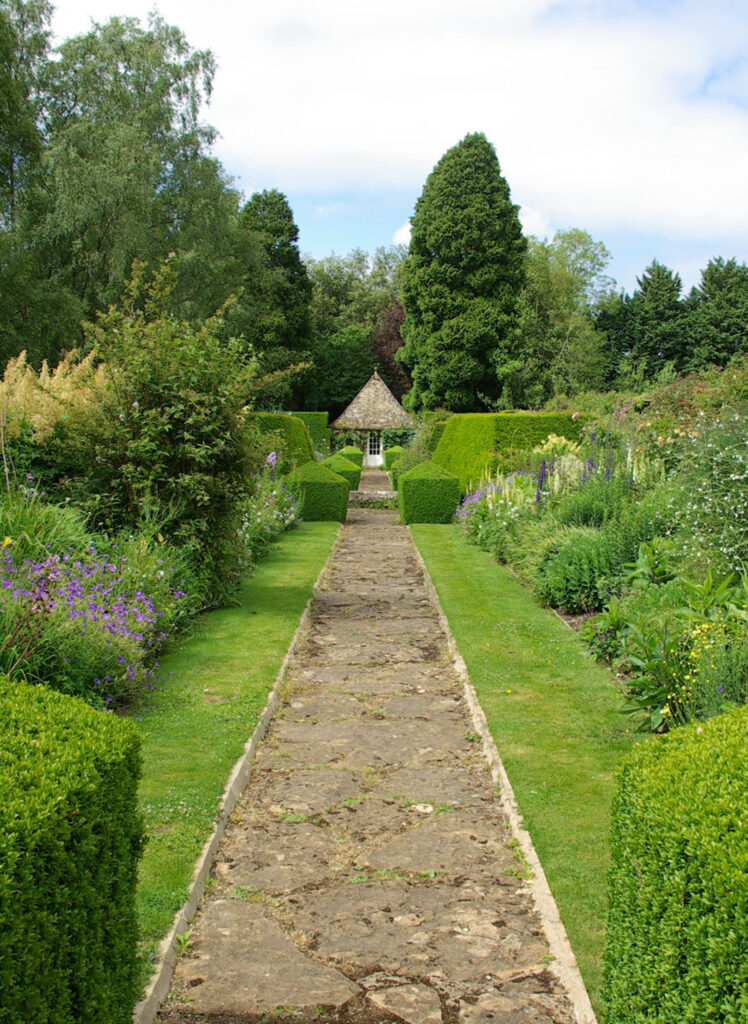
{"type": "Point", "coordinates": [461, 280]}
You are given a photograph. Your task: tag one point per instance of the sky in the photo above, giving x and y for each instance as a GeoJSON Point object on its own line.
{"type": "Point", "coordinates": [626, 118]}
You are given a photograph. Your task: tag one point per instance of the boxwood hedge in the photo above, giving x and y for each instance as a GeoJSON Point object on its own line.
{"type": "Point", "coordinates": [339, 464]}
{"type": "Point", "coordinates": [677, 946]}
{"type": "Point", "coordinates": [390, 454]}
{"type": "Point", "coordinates": [323, 494]}
{"type": "Point", "coordinates": [353, 454]}
{"type": "Point", "coordinates": [296, 443]}
{"type": "Point", "coordinates": [470, 441]}
{"type": "Point", "coordinates": [70, 839]}
{"type": "Point", "coordinates": [428, 494]}
{"type": "Point", "coordinates": [316, 424]}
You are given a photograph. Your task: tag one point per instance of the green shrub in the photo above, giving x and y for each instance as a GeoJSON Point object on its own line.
{"type": "Point", "coordinates": [428, 494]}
{"type": "Point", "coordinates": [403, 463]}
{"type": "Point", "coordinates": [390, 454]}
{"type": "Point", "coordinates": [339, 464]}
{"type": "Point", "coordinates": [353, 454]}
{"type": "Point", "coordinates": [295, 443]}
{"type": "Point", "coordinates": [323, 494]}
{"type": "Point", "coordinates": [677, 946]}
{"type": "Point", "coordinates": [573, 577]}
{"type": "Point", "coordinates": [471, 442]}
{"type": "Point", "coordinates": [532, 541]}
{"type": "Point", "coordinates": [402, 436]}
{"type": "Point", "coordinates": [70, 838]}
{"type": "Point", "coordinates": [167, 441]}
{"type": "Point", "coordinates": [316, 424]}
{"type": "Point", "coordinates": [596, 501]}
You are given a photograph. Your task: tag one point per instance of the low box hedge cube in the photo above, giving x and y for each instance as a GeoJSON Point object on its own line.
{"type": "Point", "coordinates": [339, 464]}
{"type": "Point", "coordinates": [70, 841]}
{"type": "Point", "coordinates": [390, 454]}
{"type": "Point", "coordinates": [677, 944]}
{"type": "Point", "coordinates": [428, 494]}
{"type": "Point", "coordinates": [353, 454]}
{"type": "Point", "coordinates": [323, 494]}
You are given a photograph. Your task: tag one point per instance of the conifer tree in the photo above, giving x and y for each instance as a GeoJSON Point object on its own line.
{"type": "Point", "coordinates": [461, 280]}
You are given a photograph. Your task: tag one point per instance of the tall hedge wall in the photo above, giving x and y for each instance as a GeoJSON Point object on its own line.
{"type": "Point", "coordinates": [316, 424]}
{"type": "Point", "coordinates": [469, 439]}
{"type": "Point", "coordinates": [70, 838]}
{"type": "Point", "coordinates": [677, 947]}
{"type": "Point", "coordinates": [296, 442]}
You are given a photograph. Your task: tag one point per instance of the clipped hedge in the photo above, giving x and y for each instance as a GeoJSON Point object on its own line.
{"type": "Point", "coordinates": [70, 839]}
{"type": "Point", "coordinates": [677, 945]}
{"type": "Point", "coordinates": [390, 454]}
{"type": "Point", "coordinates": [296, 442]}
{"type": "Point", "coordinates": [339, 464]}
{"type": "Point", "coordinates": [428, 494]}
{"type": "Point", "coordinates": [470, 441]}
{"type": "Point", "coordinates": [323, 494]}
{"type": "Point", "coordinates": [436, 435]}
{"type": "Point", "coordinates": [353, 454]}
{"type": "Point", "coordinates": [316, 424]}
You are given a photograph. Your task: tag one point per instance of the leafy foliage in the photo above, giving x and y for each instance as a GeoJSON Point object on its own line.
{"type": "Point", "coordinates": [170, 442]}
{"type": "Point", "coordinates": [461, 280]}
{"type": "Point", "coordinates": [70, 838]}
{"type": "Point", "coordinates": [677, 923]}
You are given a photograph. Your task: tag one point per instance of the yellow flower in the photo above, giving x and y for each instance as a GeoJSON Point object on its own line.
{"type": "Point", "coordinates": [7, 542]}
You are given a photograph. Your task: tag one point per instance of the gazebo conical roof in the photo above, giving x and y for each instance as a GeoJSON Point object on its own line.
{"type": "Point", "coordinates": [373, 408]}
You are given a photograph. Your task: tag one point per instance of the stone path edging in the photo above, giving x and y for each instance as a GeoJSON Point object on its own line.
{"type": "Point", "coordinates": [160, 982]}
{"type": "Point", "coordinates": [565, 964]}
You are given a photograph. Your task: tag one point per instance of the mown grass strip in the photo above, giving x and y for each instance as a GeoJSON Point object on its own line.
{"type": "Point", "coordinates": [555, 716]}
{"type": "Point", "coordinates": [214, 687]}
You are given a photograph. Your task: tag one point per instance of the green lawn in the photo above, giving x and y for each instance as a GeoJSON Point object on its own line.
{"type": "Point", "coordinates": [555, 716]}
{"type": "Point", "coordinates": [214, 687]}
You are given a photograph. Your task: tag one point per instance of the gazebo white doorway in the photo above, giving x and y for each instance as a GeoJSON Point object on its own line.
{"type": "Point", "coordinates": [373, 455]}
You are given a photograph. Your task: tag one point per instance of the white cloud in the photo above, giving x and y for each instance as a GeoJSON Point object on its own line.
{"type": "Point", "coordinates": [604, 115]}
{"type": "Point", "coordinates": [402, 235]}
{"type": "Point", "coordinates": [534, 223]}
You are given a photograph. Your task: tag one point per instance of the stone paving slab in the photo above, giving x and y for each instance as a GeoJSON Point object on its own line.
{"type": "Point", "coordinates": [368, 874]}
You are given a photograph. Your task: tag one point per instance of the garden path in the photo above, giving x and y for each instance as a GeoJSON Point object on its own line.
{"type": "Point", "coordinates": [368, 873]}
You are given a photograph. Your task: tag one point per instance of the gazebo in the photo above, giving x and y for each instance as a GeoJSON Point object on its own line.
{"type": "Point", "coordinates": [373, 410]}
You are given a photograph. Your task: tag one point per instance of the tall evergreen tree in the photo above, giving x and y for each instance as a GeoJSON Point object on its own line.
{"type": "Point", "coordinates": [657, 334]}
{"type": "Point", "coordinates": [461, 280]}
{"type": "Point", "coordinates": [718, 314]}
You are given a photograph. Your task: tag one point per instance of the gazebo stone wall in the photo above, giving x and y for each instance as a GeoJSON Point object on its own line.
{"type": "Point", "coordinates": [373, 411]}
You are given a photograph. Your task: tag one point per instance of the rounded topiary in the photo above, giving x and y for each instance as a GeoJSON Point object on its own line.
{"type": "Point", "coordinates": [390, 454]}
{"type": "Point", "coordinates": [353, 454]}
{"type": "Point", "coordinates": [323, 494]}
{"type": "Point", "coordinates": [428, 494]}
{"type": "Point", "coordinates": [338, 463]}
